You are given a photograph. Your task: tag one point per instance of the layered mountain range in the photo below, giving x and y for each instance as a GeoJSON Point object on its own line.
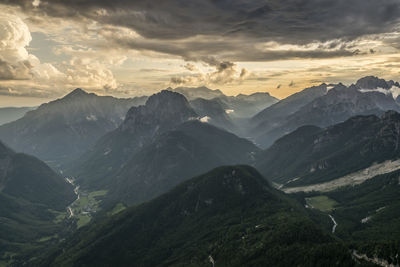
{"type": "Point", "coordinates": [63, 129]}
{"type": "Point", "coordinates": [240, 106]}
{"type": "Point", "coordinates": [333, 150]}
{"type": "Point", "coordinates": [157, 146]}
{"type": "Point", "coordinates": [322, 106]}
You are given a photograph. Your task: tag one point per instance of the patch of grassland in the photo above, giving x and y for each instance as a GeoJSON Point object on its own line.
{"type": "Point", "coordinates": [60, 216]}
{"type": "Point", "coordinates": [82, 220]}
{"type": "Point", "coordinates": [97, 193]}
{"type": "Point", "coordinates": [322, 203]}
{"type": "Point", "coordinates": [47, 238]}
{"type": "Point", "coordinates": [86, 204]}
{"type": "Point", "coordinates": [118, 208]}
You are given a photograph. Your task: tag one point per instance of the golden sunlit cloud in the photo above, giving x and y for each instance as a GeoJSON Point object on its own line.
{"type": "Point", "coordinates": [127, 48]}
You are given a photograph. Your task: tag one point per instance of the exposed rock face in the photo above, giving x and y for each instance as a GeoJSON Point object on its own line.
{"type": "Point", "coordinates": [371, 82]}
{"type": "Point", "coordinates": [162, 111]}
{"type": "Point", "coordinates": [335, 105]}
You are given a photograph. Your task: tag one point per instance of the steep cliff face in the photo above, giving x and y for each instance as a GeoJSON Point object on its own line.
{"type": "Point", "coordinates": [162, 111]}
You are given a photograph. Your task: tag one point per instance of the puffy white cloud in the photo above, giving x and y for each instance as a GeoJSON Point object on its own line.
{"type": "Point", "coordinates": [14, 37]}
{"type": "Point", "coordinates": [14, 58]}
{"type": "Point", "coordinates": [89, 73]}
{"type": "Point", "coordinates": [17, 64]}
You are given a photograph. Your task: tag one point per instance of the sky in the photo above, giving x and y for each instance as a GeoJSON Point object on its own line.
{"type": "Point", "coordinates": [129, 48]}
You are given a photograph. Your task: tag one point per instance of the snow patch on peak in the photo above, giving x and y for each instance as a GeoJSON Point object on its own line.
{"type": "Point", "coordinates": [205, 119]}
{"type": "Point", "coordinates": [91, 117]}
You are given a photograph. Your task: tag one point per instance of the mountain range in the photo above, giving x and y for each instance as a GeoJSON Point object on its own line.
{"type": "Point", "coordinates": [63, 129]}
{"type": "Point", "coordinates": [323, 106]}
{"type": "Point", "coordinates": [240, 106]}
{"type": "Point", "coordinates": [158, 145]}
{"type": "Point", "coordinates": [312, 155]}
{"type": "Point", "coordinates": [166, 180]}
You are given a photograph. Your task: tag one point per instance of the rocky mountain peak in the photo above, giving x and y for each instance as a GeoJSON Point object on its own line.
{"type": "Point", "coordinates": [162, 110]}
{"type": "Point", "coordinates": [372, 82]}
{"type": "Point", "coordinates": [78, 92]}
{"type": "Point", "coordinates": [198, 92]}
{"type": "Point", "coordinates": [167, 100]}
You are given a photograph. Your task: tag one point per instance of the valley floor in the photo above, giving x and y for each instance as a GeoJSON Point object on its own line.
{"type": "Point", "coordinates": [85, 205]}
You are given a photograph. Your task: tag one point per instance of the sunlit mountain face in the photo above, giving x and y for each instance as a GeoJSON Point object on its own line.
{"type": "Point", "coordinates": [199, 133]}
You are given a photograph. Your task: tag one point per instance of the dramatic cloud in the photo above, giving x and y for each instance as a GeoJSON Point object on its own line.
{"type": "Point", "coordinates": [292, 21]}
{"type": "Point", "coordinates": [190, 67]}
{"type": "Point", "coordinates": [18, 64]}
{"type": "Point", "coordinates": [14, 58]}
{"type": "Point", "coordinates": [90, 74]}
{"type": "Point", "coordinates": [17, 71]}
{"type": "Point", "coordinates": [234, 30]}
{"type": "Point", "coordinates": [129, 47]}
{"type": "Point", "coordinates": [225, 73]}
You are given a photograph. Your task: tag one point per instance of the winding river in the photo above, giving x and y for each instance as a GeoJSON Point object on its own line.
{"type": "Point", "coordinates": [76, 191]}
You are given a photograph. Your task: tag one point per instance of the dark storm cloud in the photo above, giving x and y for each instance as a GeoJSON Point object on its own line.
{"type": "Point", "coordinates": [233, 30]}
{"type": "Point", "coordinates": [235, 49]}
{"type": "Point", "coordinates": [290, 21]}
